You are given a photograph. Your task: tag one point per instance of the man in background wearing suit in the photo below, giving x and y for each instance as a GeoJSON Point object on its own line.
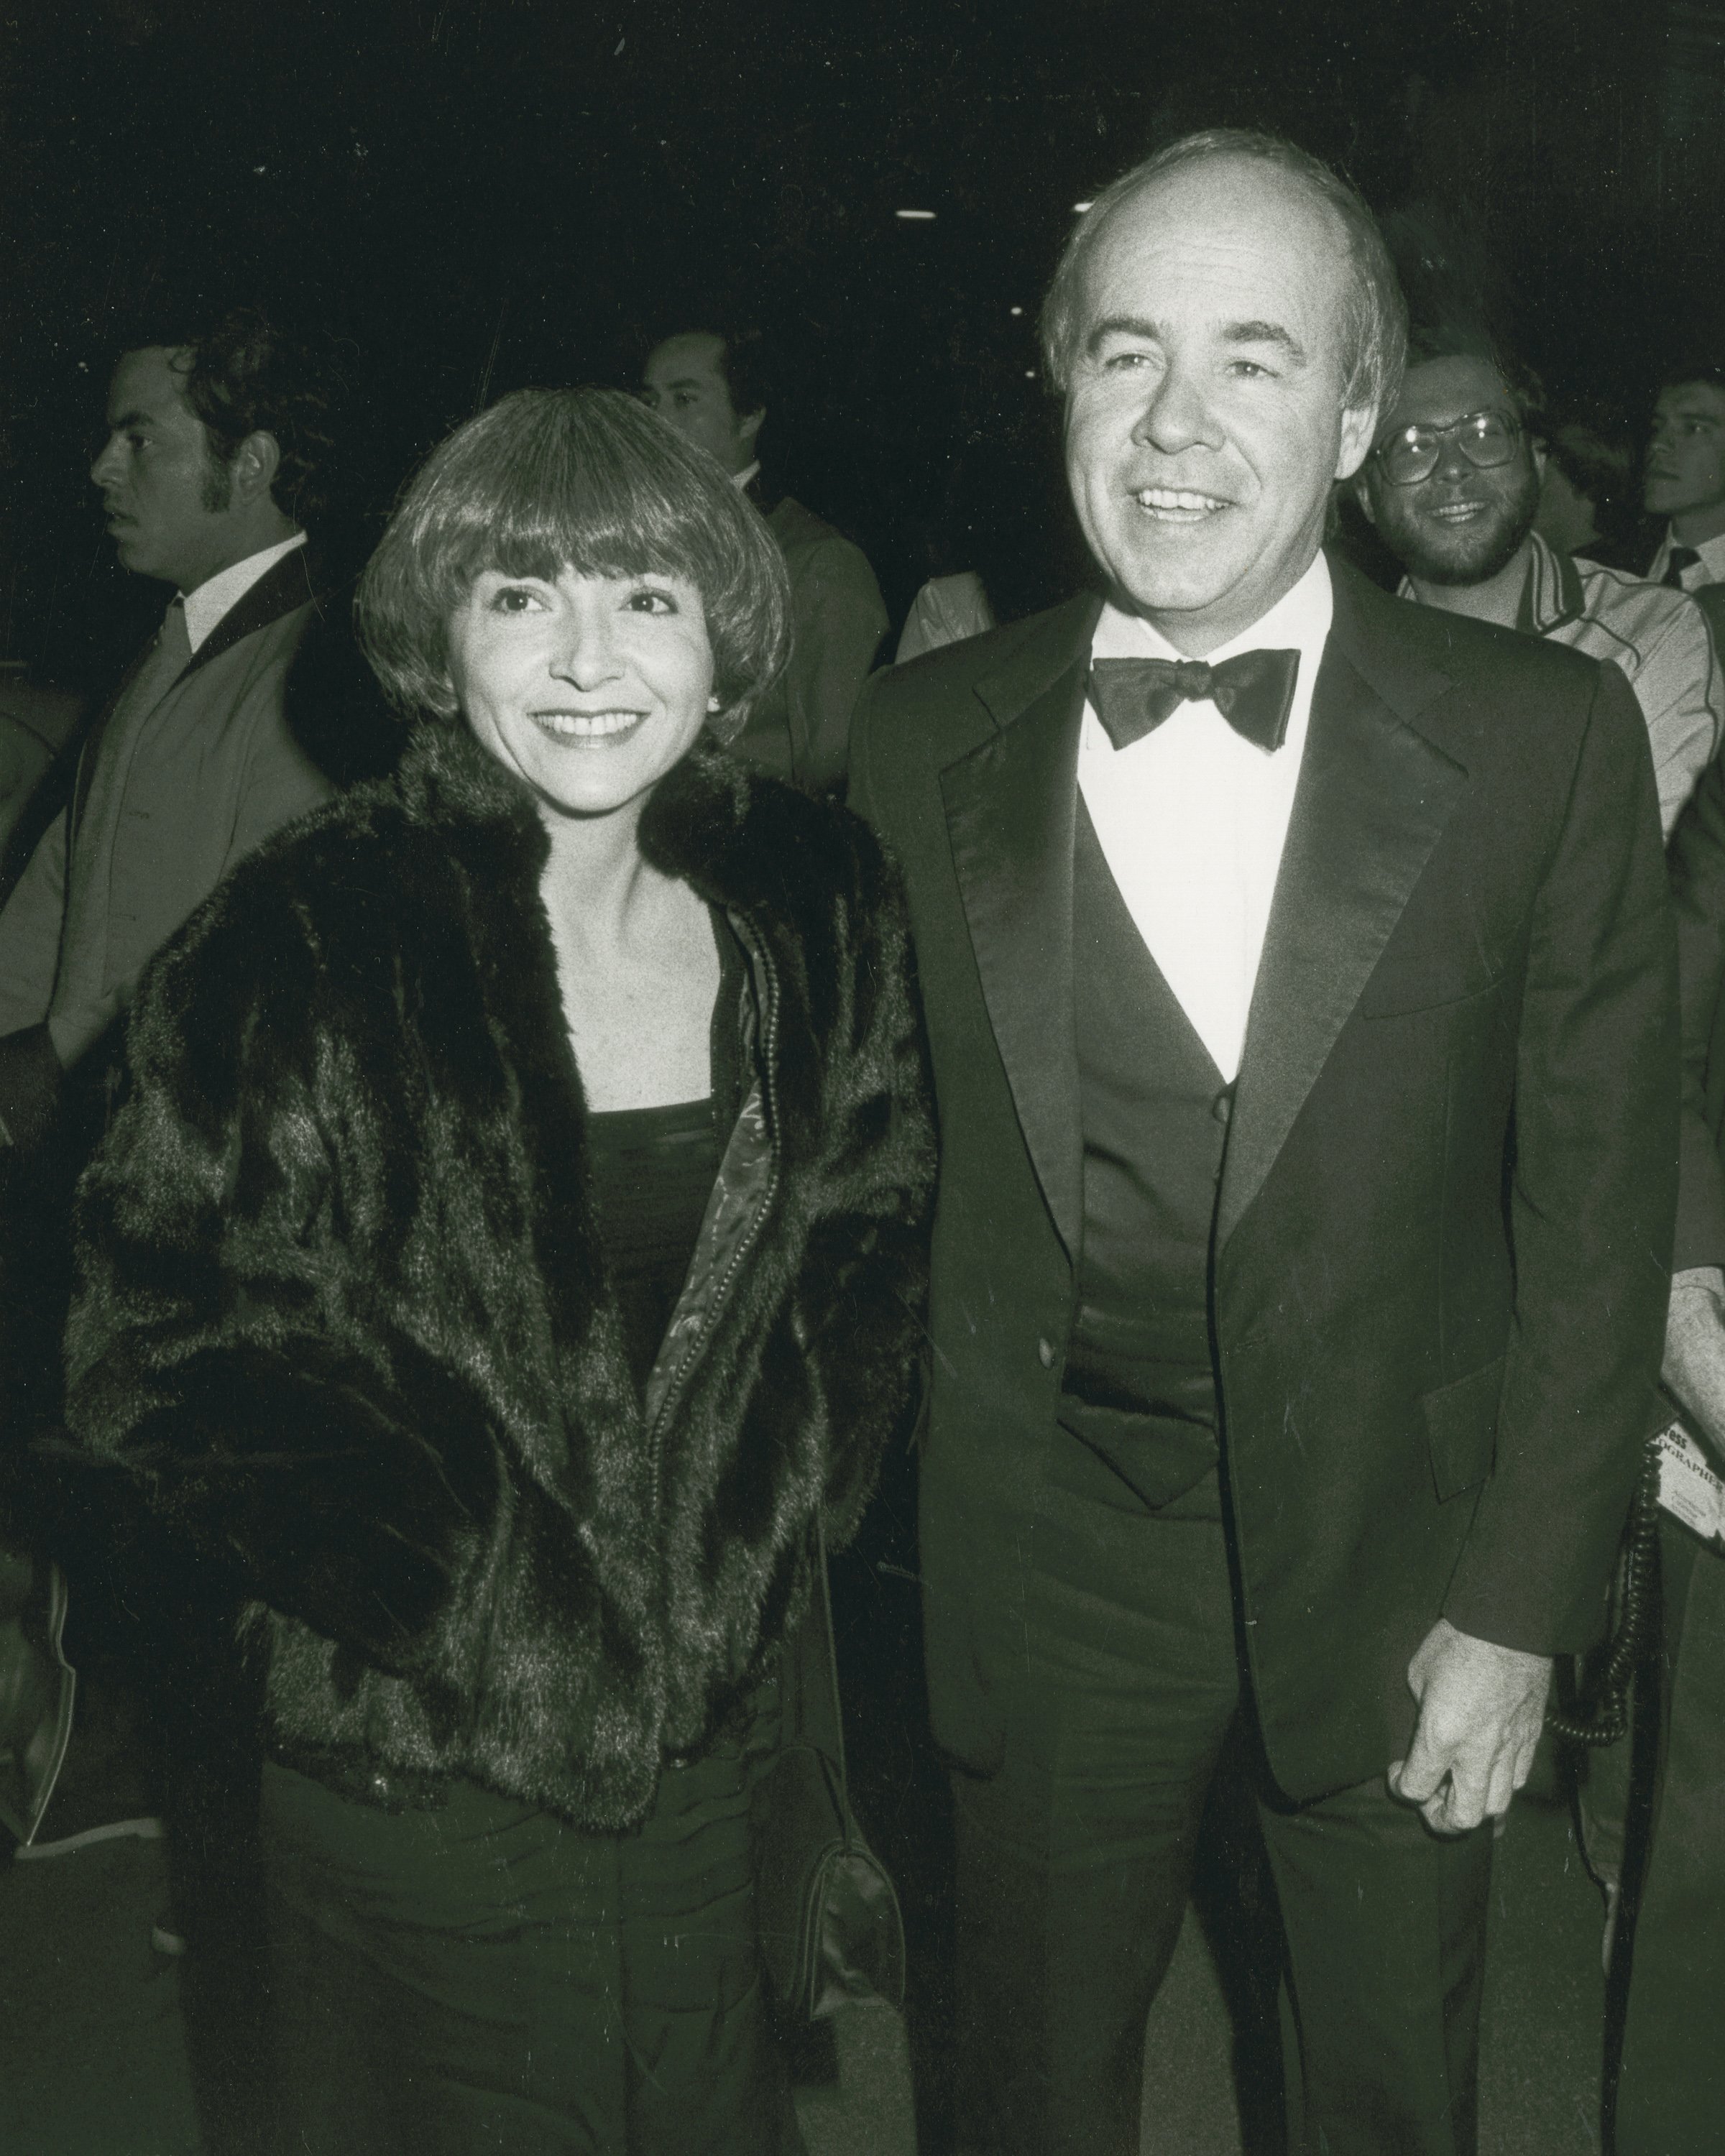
{"type": "Point", "coordinates": [1685, 484]}
{"type": "Point", "coordinates": [1298, 969]}
{"type": "Point", "coordinates": [713, 389]}
{"type": "Point", "coordinates": [208, 472]}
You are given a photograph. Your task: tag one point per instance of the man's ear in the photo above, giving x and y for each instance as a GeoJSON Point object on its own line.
{"type": "Point", "coordinates": [1540, 454]}
{"type": "Point", "coordinates": [748, 427]}
{"type": "Point", "coordinates": [256, 464]}
{"type": "Point", "coordinates": [1358, 430]}
{"type": "Point", "coordinates": [1362, 488]}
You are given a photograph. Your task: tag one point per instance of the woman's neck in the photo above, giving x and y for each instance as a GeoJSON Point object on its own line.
{"type": "Point", "coordinates": [595, 876]}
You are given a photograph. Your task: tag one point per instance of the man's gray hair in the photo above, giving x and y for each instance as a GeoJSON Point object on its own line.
{"type": "Point", "coordinates": [1374, 315]}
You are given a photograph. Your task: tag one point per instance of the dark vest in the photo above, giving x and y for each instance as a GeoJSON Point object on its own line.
{"type": "Point", "coordinates": [1139, 1386]}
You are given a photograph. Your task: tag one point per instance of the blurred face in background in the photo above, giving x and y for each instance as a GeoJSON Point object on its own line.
{"type": "Point", "coordinates": [1206, 416]}
{"type": "Point", "coordinates": [684, 384]}
{"type": "Point", "coordinates": [1466, 520]}
{"type": "Point", "coordinates": [1686, 460]}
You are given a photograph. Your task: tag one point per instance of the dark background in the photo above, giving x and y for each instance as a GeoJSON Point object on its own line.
{"type": "Point", "coordinates": [476, 194]}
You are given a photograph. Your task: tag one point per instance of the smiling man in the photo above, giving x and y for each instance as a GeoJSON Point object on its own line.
{"type": "Point", "coordinates": [1297, 970]}
{"type": "Point", "coordinates": [1453, 486]}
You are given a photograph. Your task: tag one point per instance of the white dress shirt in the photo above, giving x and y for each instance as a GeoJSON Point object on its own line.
{"type": "Point", "coordinates": [743, 479]}
{"type": "Point", "coordinates": [1710, 569]}
{"type": "Point", "coordinates": [221, 593]}
{"type": "Point", "coordinates": [1192, 819]}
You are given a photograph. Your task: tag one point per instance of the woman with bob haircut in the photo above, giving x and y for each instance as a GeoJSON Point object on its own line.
{"type": "Point", "coordinates": [512, 1238]}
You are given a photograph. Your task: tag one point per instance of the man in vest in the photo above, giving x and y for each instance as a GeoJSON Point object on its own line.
{"type": "Point", "coordinates": [1298, 972]}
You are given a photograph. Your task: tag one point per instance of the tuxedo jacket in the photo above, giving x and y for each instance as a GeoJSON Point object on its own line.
{"type": "Point", "coordinates": [1439, 1267]}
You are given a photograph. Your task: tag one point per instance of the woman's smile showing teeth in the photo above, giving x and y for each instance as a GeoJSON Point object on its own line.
{"type": "Point", "coordinates": [588, 725]}
{"type": "Point", "coordinates": [590, 687]}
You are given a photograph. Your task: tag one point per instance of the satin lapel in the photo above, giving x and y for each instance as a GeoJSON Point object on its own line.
{"type": "Point", "coordinates": [1373, 795]}
{"type": "Point", "coordinates": [286, 584]}
{"type": "Point", "coordinates": [1010, 806]}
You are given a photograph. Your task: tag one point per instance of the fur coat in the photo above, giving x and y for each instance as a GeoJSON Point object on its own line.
{"type": "Point", "coordinates": [344, 1325]}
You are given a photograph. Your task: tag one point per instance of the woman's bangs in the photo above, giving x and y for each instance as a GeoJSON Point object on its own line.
{"type": "Point", "coordinates": [561, 513]}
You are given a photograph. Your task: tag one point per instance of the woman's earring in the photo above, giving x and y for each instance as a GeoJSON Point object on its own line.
{"type": "Point", "coordinates": [712, 703]}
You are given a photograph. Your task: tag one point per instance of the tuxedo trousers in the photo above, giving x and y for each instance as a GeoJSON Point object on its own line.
{"type": "Point", "coordinates": [1074, 1863]}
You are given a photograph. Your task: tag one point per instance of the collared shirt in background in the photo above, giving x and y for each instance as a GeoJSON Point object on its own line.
{"type": "Point", "coordinates": [220, 594]}
{"type": "Point", "coordinates": [1710, 569]}
{"type": "Point", "coordinates": [1192, 819]}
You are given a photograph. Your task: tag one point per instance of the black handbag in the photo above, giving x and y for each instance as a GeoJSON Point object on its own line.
{"type": "Point", "coordinates": [831, 1933]}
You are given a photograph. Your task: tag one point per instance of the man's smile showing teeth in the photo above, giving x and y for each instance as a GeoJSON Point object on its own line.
{"type": "Point", "coordinates": [1177, 501]}
{"type": "Point", "coordinates": [587, 726]}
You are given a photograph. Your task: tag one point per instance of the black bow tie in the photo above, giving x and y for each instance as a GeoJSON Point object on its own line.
{"type": "Point", "coordinates": [1255, 693]}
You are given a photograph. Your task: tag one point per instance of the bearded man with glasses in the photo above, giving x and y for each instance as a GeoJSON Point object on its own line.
{"type": "Point", "coordinates": [1452, 486]}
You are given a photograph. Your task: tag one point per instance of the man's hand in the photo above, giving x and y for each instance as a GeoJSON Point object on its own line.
{"type": "Point", "coordinates": [1695, 1352]}
{"type": "Point", "coordinates": [1482, 1708]}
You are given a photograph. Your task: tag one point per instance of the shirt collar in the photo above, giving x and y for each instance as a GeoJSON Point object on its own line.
{"type": "Point", "coordinates": [1711, 551]}
{"type": "Point", "coordinates": [1300, 621]}
{"type": "Point", "coordinates": [219, 594]}
{"type": "Point", "coordinates": [744, 479]}
{"type": "Point", "coordinates": [1553, 594]}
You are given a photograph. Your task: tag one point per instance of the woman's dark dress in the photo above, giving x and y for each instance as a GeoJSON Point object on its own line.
{"type": "Point", "coordinates": [487, 1977]}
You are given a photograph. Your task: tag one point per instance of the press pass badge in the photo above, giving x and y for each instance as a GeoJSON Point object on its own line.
{"type": "Point", "coordinates": [1688, 1488]}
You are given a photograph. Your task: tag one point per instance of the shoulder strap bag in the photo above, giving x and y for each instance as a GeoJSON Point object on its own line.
{"type": "Point", "coordinates": [831, 1933]}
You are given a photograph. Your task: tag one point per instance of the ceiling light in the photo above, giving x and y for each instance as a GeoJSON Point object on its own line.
{"type": "Point", "coordinates": [914, 216]}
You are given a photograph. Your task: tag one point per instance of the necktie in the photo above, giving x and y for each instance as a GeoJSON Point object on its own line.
{"type": "Point", "coordinates": [161, 665]}
{"type": "Point", "coordinates": [79, 1009]}
{"type": "Point", "coordinates": [1255, 693]}
{"type": "Point", "coordinates": [1679, 559]}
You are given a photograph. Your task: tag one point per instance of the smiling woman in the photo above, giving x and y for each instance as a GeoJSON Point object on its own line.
{"type": "Point", "coordinates": [590, 688]}
{"type": "Point", "coordinates": [548, 1124]}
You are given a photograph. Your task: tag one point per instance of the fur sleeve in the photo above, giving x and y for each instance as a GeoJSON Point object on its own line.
{"type": "Point", "coordinates": [207, 1358]}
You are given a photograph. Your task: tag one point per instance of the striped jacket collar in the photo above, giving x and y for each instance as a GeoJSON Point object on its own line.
{"type": "Point", "coordinates": [1553, 595]}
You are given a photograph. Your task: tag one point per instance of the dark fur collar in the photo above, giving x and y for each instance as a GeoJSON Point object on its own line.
{"type": "Point", "coordinates": [711, 820]}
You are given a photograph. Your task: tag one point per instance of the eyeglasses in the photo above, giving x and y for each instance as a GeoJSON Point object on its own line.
{"type": "Point", "coordinates": [1485, 438]}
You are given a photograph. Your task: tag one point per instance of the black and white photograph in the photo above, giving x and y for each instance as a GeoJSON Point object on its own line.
{"type": "Point", "coordinates": [862, 1078]}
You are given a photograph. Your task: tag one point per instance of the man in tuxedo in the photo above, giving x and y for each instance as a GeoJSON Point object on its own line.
{"type": "Point", "coordinates": [1298, 971]}
{"type": "Point", "coordinates": [713, 387]}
